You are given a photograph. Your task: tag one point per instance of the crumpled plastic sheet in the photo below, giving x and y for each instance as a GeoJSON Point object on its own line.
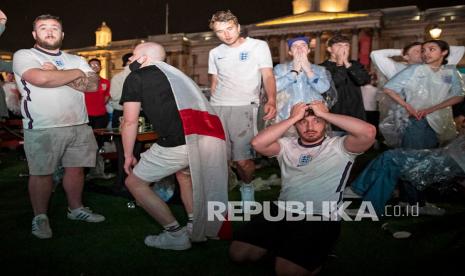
{"type": "Point", "coordinates": [282, 99]}
{"type": "Point", "coordinates": [330, 95]}
{"type": "Point", "coordinates": [423, 168]}
{"type": "Point", "coordinates": [393, 125]}
{"type": "Point", "coordinates": [165, 188]}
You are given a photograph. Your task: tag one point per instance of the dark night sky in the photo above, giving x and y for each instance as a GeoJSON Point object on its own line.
{"type": "Point", "coordinates": [139, 18]}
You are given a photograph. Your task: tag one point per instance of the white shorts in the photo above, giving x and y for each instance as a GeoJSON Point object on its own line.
{"type": "Point", "coordinates": [158, 162]}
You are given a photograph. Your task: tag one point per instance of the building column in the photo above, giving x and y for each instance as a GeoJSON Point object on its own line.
{"type": "Point", "coordinates": [168, 58]}
{"type": "Point", "coordinates": [354, 45]}
{"type": "Point", "coordinates": [180, 61]}
{"type": "Point", "coordinates": [282, 49]}
{"type": "Point", "coordinates": [317, 51]}
{"type": "Point", "coordinates": [105, 62]}
{"type": "Point", "coordinates": [375, 39]}
{"type": "Point", "coordinates": [365, 46]}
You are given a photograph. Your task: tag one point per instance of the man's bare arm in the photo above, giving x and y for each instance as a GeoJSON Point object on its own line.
{"type": "Point", "coordinates": [129, 125]}
{"type": "Point", "coordinates": [269, 83]}
{"type": "Point", "coordinates": [51, 78]}
{"type": "Point", "coordinates": [88, 83]}
{"type": "Point", "coordinates": [214, 82]}
{"type": "Point", "coordinates": [361, 135]}
{"type": "Point", "coordinates": [266, 141]}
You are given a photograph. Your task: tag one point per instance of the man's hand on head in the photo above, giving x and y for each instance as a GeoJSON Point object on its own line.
{"type": "Point", "coordinates": [298, 111]}
{"type": "Point", "coordinates": [319, 108]}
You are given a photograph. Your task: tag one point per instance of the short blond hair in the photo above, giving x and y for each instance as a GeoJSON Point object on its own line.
{"type": "Point", "coordinates": [223, 16]}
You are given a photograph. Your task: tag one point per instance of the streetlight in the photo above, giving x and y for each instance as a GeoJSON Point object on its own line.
{"type": "Point", "coordinates": [435, 32]}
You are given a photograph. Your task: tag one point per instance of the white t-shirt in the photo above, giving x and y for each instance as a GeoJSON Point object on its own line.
{"type": "Point", "coordinates": [49, 107]}
{"type": "Point", "coordinates": [314, 174]}
{"type": "Point", "coordinates": [238, 72]}
{"type": "Point", "coordinates": [369, 93]}
{"type": "Point", "coordinates": [116, 87]}
{"type": "Point", "coordinates": [12, 97]}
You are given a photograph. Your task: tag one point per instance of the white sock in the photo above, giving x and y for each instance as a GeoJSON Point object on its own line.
{"type": "Point", "coordinates": [173, 228]}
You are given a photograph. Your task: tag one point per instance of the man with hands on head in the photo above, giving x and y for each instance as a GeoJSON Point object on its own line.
{"type": "Point", "coordinates": [314, 168]}
{"type": "Point", "coordinates": [299, 80]}
{"type": "Point", "coordinates": [56, 133]}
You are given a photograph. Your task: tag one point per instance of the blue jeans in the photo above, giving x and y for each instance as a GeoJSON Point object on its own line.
{"type": "Point", "coordinates": [418, 135]}
{"type": "Point", "coordinates": [378, 180]}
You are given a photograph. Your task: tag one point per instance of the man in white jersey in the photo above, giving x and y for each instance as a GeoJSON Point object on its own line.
{"type": "Point", "coordinates": [314, 169]}
{"type": "Point", "coordinates": [237, 68]}
{"type": "Point", "coordinates": [55, 121]}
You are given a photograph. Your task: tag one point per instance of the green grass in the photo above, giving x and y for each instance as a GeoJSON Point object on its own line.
{"type": "Point", "coordinates": [115, 247]}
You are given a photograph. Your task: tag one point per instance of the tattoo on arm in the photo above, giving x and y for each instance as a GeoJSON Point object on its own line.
{"type": "Point", "coordinates": [88, 83]}
{"type": "Point", "coordinates": [79, 84]}
{"type": "Point", "coordinates": [92, 81]}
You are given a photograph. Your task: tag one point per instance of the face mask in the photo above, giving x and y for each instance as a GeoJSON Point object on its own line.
{"type": "Point", "coordinates": [134, 65]}
{"type": "Point", "coordinates": [2, 28]}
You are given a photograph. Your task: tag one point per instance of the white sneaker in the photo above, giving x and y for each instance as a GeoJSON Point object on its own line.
{"type": "Point", "coordinates": [431, 210]}
{"type": "Point", "coordinates": [349, 193]}
{"type": "Point", "coordinates": [167, 240]}
{"type": "Point", "coordinates": [41, 227]}
{"type": "Point", "coordinates": [84, 214]}
{"type": "Point", "coordinates": [247, 192]}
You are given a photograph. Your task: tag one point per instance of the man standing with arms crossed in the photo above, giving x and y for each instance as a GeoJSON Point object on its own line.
{"type": "Point", "coordinates": [237, 68]}
{"type": "Point", "coordinates": [55, 121]}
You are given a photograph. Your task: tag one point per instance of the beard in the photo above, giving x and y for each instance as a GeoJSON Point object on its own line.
{"type": "Point", "coordinates": [314, 138]}
{"type": "Point", "coordinates": [49, 46]}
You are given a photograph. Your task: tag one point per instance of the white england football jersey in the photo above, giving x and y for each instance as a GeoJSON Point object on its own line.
{"type": "Point", "coordinates": [316, 173]}
{"type": "Point", "coordinates": [49, 107]}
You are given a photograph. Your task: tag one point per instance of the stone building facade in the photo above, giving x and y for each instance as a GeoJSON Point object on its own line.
{"type": "Point", "coordinates": [368, 30]}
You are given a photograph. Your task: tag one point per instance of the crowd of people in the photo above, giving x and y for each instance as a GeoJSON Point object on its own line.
{"type": "Point", "coordinates": [322, 117]}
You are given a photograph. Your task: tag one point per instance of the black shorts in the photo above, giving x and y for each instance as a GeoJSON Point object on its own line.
{"type": "Point", "coordinates": [305, 243]}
